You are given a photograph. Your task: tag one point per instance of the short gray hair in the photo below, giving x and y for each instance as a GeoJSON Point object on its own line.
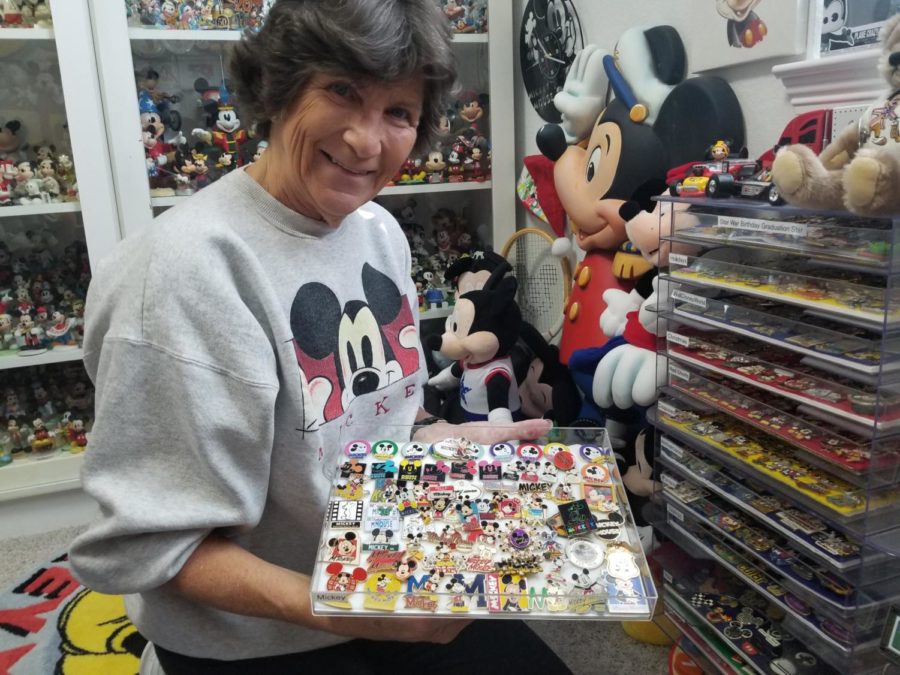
{"type": "Point", "coordinates": [382, 40]}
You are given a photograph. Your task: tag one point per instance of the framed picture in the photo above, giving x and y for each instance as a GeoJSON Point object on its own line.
{"type": "Point", "coordinates": [853, 24]}
{"type": "Point", "coordinates": [741, 31]}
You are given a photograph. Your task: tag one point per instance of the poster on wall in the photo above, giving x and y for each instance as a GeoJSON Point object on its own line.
{"type": "Point", "coordinates": [853, 24]}
{"type": "Point", "coordinates": [741, 31]}
{"type": "Point", "coordinates": [549, 38]}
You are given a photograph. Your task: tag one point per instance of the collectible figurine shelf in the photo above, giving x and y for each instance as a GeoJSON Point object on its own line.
{"type": "Point", "coordinates": [779, 448]}
{"type": "Point", "coordinates": [455, 528]}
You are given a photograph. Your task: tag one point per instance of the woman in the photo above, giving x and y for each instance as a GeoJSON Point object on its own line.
{"type": "Point", "coordinates": [236, 342]}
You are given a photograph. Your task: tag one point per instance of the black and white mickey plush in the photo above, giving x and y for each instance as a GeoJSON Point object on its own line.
{"type": "Point", "coordinates": [479, 335]}
{"type": "Point", "coordinates": [635, 463]}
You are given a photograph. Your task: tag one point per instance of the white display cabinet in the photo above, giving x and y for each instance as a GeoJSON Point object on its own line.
{"type": "Point", "coordinates": [51, 86]}
{"type": "Point", "coordinates": [181, 56]}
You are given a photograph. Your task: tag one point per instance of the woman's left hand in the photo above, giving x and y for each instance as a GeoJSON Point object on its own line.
{"type": "Point", "coordinates": [485, 433]}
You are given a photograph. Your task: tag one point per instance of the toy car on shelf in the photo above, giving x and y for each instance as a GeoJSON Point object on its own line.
{"type": "Point", "coordinates": [693, 180]}
{"type": "Point", "coordinates": [751, 182]}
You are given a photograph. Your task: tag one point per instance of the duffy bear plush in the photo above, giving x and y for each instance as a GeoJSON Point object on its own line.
{"type": "Point", "coordinates": [860, 169]}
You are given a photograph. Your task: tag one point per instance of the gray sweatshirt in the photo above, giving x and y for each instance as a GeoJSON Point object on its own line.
{"type": "Point", "coordinates": [235, 346]}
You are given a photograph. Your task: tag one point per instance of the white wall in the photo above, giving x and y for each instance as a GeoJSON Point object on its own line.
{"type": "Point", "coordinates": [762, 97]}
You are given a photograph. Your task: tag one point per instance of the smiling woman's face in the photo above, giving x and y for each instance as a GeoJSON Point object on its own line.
{"type": "Point", "coordinates": [340, 143]}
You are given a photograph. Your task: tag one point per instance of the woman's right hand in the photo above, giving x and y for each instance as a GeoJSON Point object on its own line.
{"type": "Point", "coordinates": [441, 631]}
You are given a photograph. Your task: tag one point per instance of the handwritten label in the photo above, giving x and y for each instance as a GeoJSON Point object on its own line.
{"type": "Point", "coordinates": [767, 226]}
{"type": "Point", "coordinates": [676, 514]}
{"type": "Point", "coordinates": [666, 444]}
{"type": "Point", "coordinates": [678, 259]}
{"type": "Point", "coordinates": [678, 339]}
{"type": "Point", "coordinates": [668, 481]}
{"type": "Point", "coordinates": [690, 298]}
{"type": "Point", "coordinates": [679, 372]}
{"type": "Point", "coordinates": [668, 577]}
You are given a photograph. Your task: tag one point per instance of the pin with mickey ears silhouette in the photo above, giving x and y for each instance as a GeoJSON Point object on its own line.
{"type": "Point", "coordinates": [340, 584]}
{"type": "Point", "coordinates": [357, 449]}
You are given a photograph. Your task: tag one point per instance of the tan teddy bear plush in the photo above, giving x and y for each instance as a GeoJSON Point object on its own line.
{"type": "Point", "coordinates": [860, 169]}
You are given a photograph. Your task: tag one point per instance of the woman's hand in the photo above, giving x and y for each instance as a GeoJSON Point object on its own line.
{"type": "Point", "coordinates": [485, 433]}
{"type": "Point", "coordinates": [441, 631]}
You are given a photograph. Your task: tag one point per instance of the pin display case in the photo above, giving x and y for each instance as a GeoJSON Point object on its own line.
{"type": "Point", "coordinates": [457, 528]}
{"type": "Point", "coordinates": [779, 432]}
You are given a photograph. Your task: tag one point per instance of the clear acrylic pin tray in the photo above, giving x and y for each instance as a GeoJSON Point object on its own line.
{"type": "Point", "coordinates": [452, 527]}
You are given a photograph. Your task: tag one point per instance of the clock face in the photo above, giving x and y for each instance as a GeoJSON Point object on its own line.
{"type": "Point", "coordinates": [550, 36]}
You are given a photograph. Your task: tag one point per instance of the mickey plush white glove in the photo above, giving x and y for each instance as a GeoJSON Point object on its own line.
{"type": "Point", "coordinates": [618, 305]}
{"type": "Point", "coordinates": [444, 380]}
{"type": "Point", "coordinates": [628, 376]}
{"type": "Point", "coordinates": [583, 95]}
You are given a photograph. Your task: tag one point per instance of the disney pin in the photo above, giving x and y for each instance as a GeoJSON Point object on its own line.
{"type": "Point", "coordinates": [502, 451]}
{"type": "Point", "coordinates": [585, 553]}
{"type": "Point", "coordinates": [382, 540]}
{"type": "Point", "coordinates": [382, 592]}
{"type": "Point", "coordinates": [414, 450]}
{"type": "Point", "coordinates": [342, 548]}
{"type": "Point", "coordinates": [551, 449]}
{"type": "Point", "coordinates": [489, 472]}
{"type": "Point", "coordinates": [529, 451]}
{"type": "Point", "coordinates": [382, 517]}
{"type": "Point", "coordinates": [345, 514]}
{"type": "Point", "coordinates": [593, 453]}
{"type": "Point", "coordinates": [456, 448]}
{"type": "Point", "coordinates": [384, 449]}
{"type": "Point", "coordinates": [410, 469]}
{"type": "Point", "coordinates": [352, 467]}
{"type": "Point", "coordinates": [435, 473]}
{"type": "Point", "coordinates": [599, 497]}
{"type": "Point", "coordinates": [577, 518]}
{"type": "Point", "coordinates": [563, 459]}
{"type": "Point", "coordinates": [357, 449]}
{"type": "Point", "coordinates": [339, 585]}
{"type": "Point", "coordinates": [595, 474]}
{"type": "Point", "coordinates": [386, 469]}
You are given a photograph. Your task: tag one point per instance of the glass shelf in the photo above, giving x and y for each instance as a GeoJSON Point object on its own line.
{"type": "Point", "coordinates": [849, 243]}
{"type": "Point", "coordinates": [857, 350]}
{"type": "Point", "coordinates": [857, 297]}
{"type": "Point", "coordinates": [782, 372]}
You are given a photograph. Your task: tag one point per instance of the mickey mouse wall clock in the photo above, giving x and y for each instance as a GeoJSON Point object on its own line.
{"type": "Point", "coordinates": [548, 40]}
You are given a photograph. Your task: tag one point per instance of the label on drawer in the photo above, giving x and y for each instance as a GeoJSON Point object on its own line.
{"type": "Point", "coordinates": [767, 226]}
{"type": "Point", "coordinates": [679, 372]}
{"type": "Point", "coordinates": [678, 259]}
{"type": "Point", "coordinates": [676, 514]}
{"type": "Point", "coordinates": [668, 481]}
{"type": "Point", "coordinates": [673, 449]}
{"type": "Point", "coordinates": [666, 408]}
{"type": "Point", "coordinates": [678, 339]}
{"type": "Point", "coordinates": [684, 296]}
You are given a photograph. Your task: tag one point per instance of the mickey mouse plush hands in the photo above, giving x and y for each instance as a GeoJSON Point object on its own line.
{"type": "Point", "coordinates": [583, 96]}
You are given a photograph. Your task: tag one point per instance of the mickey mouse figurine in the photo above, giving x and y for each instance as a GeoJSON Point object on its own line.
{"type": "Point", "coordinates": [228, 135]}
{"type": "Point", "coordinates": [480, 334]}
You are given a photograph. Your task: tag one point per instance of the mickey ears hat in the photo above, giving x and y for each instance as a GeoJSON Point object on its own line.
{"type": "Point", "coordinates": [145, 102]}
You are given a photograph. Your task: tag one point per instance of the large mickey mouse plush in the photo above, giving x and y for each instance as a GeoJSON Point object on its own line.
{"type": "Point", "coordinates": [657, 120]}
{"type": "Point", "coordinates": [479, 335]}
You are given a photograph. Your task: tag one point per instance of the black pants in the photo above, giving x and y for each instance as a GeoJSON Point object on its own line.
{"type": "Point", "coordinates": [497, 647]}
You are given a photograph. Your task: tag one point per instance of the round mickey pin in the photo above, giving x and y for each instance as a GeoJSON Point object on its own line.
{"type": "Point", "coordinates": [414, 450]}
{"type": "Point", "coordinates": [384, 449]}
{"type": "Point", "coordinates": [502, 451]}
{"type": "Point", "coordinates": [552, 448]}
{"type": "Point", "coordinates": [529, 451]}
{"type": "Point", "coordinates": [357, 449]}
{"type": "Point", "coordinates": [594, 453]}
{"type": "Point", "coordinates": [563, 460]}
{"type": "Point", "coordinates": [585, 553]}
